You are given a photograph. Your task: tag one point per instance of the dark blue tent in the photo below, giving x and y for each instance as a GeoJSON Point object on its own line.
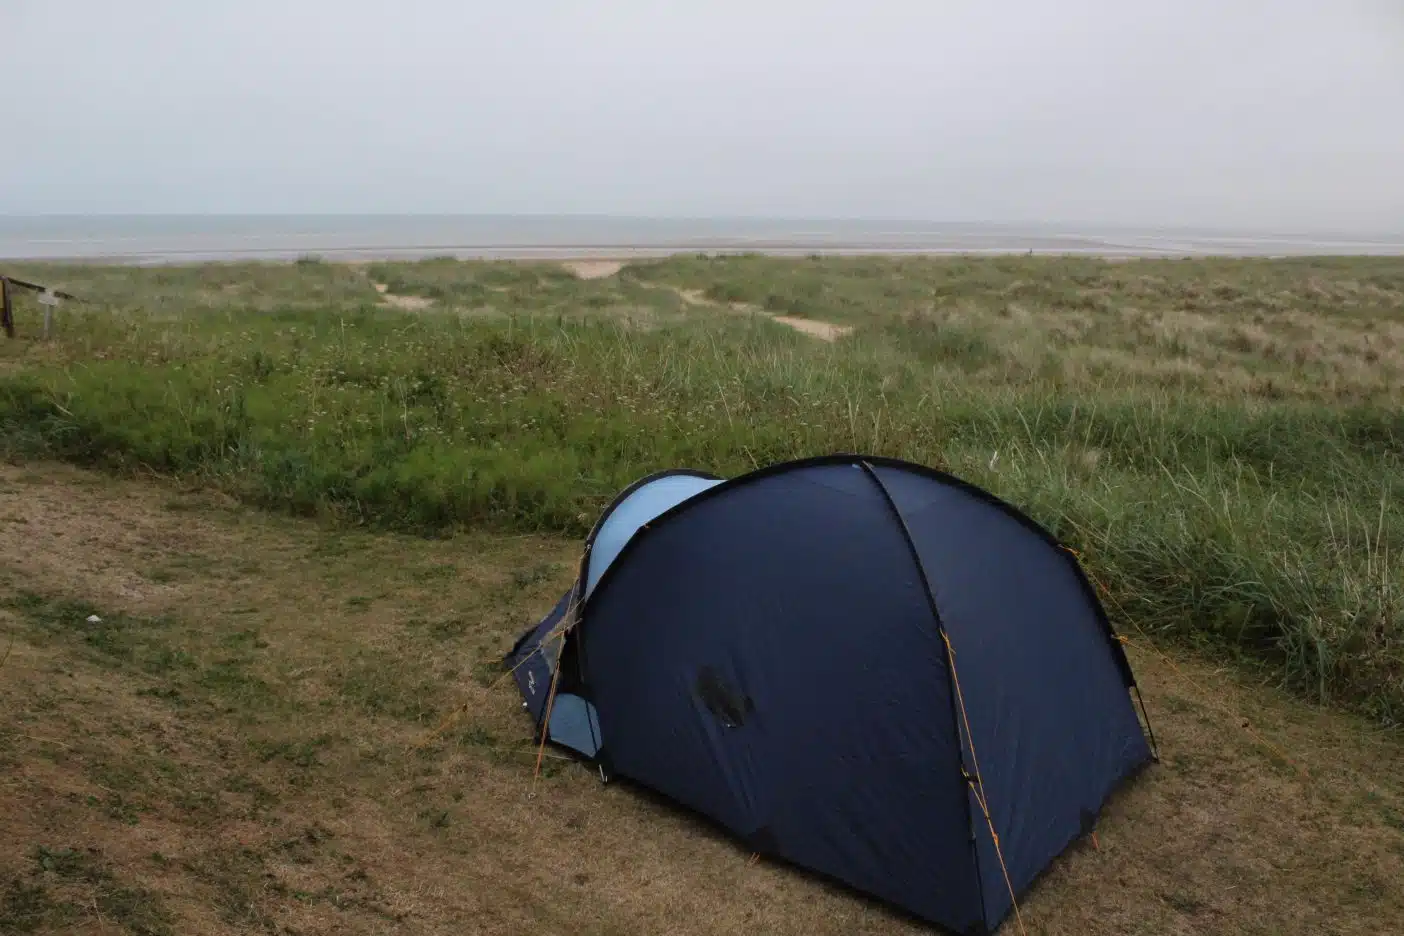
{"type": "Point", "coordinates": [860, 665]}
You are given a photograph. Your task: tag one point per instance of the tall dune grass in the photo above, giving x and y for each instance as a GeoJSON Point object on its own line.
{"type": "Point", "coordinates": [1222, 441]}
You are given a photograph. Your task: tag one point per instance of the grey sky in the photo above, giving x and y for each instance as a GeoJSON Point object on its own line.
{"type": "Point", "coordinates": [1258, 113]}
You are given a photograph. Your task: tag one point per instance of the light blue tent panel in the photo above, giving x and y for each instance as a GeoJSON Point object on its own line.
{"type": "Point", "coordinates": [634, 511]}
{"type": "Point", "coordinates": [573, 720]}
{"type": "Point", "coordinates": [575, 724]}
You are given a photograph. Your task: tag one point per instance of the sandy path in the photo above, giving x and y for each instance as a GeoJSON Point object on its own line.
{"type": "Point", "coordinates": [594, 269]}
{"type": "Point", "coordinates": [824, 331]}
{"type": "Point", "coordinates": [602, 269]}
{"type": "Point", "coordinates": [692, 296]}
{"type": "Point", "coordinates": [408, 303]}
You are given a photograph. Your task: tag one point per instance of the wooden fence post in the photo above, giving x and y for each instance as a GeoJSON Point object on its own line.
{"type": "Point", "coordinates": [7, 314]}
{"type": "Point", "coordinates": [49, 301]}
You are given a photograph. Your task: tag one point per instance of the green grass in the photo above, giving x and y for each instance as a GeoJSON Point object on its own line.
{"type": "Point", "coordinates": [1222, 440]}
{"type": "Point", "coordinates": [91, 887]}
{"type": "Point", "coordinates": [111, 639]}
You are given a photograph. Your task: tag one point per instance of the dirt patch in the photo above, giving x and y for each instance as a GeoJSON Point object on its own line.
{"type": "Point", "coordinates": [282, 726]}
{"type": "Point", "coordinates": [594, 269]}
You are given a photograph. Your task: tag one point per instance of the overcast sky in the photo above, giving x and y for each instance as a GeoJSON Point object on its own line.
{"type": "Point", "coordinates": [1280, 114]}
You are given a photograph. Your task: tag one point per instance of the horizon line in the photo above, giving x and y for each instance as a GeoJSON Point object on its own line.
{"type": "Point", "coordinates": [1293, 230]}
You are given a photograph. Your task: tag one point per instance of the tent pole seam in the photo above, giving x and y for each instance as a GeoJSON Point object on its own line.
{"type": "Point", "coordinates": [977, 785]}
{"type": "Point", "coordinates": [1095, 588]}
{"type": "Point", "coordinates": [950, 672]}
{"type": "Point", "coordinates": [1145, 716]}
{"type": "Point", "coordinates": [1120, 645]}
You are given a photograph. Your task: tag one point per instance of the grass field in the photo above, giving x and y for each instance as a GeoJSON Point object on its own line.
{"type": "Point", "coordinates": [245, 742]}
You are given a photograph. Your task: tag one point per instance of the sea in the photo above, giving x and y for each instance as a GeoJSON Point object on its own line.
{"type": "Point", "coordinates": [168, 239]}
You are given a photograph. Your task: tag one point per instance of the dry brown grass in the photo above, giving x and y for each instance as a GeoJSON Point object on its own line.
{"type": "Point", "coordinates": [294, 729]}
{"type": "Point", "coordinates": [1261, 350]}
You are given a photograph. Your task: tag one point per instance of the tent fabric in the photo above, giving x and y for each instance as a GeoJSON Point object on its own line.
{"type": "Point", "coordinates": [1052, 723]}
{"type": "Point", "coordinates": [780, 652]}
{"type": "Point", "coordinates": [533, 658]}
{"type": "Point", "coordinates": [574, 721]}
{"type": "Point", "coordinates": [638, 507]}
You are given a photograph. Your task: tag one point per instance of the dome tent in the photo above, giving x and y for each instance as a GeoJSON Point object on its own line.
{"type": "Point", "coordinates": [863, 666]}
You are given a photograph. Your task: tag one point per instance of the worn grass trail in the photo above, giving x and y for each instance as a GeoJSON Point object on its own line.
{"type": "Point", "coordinates": [280, 726]}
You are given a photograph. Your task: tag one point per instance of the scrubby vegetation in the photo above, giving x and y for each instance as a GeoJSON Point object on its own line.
{"type": "Point", "coordinates": [1222, 440]}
